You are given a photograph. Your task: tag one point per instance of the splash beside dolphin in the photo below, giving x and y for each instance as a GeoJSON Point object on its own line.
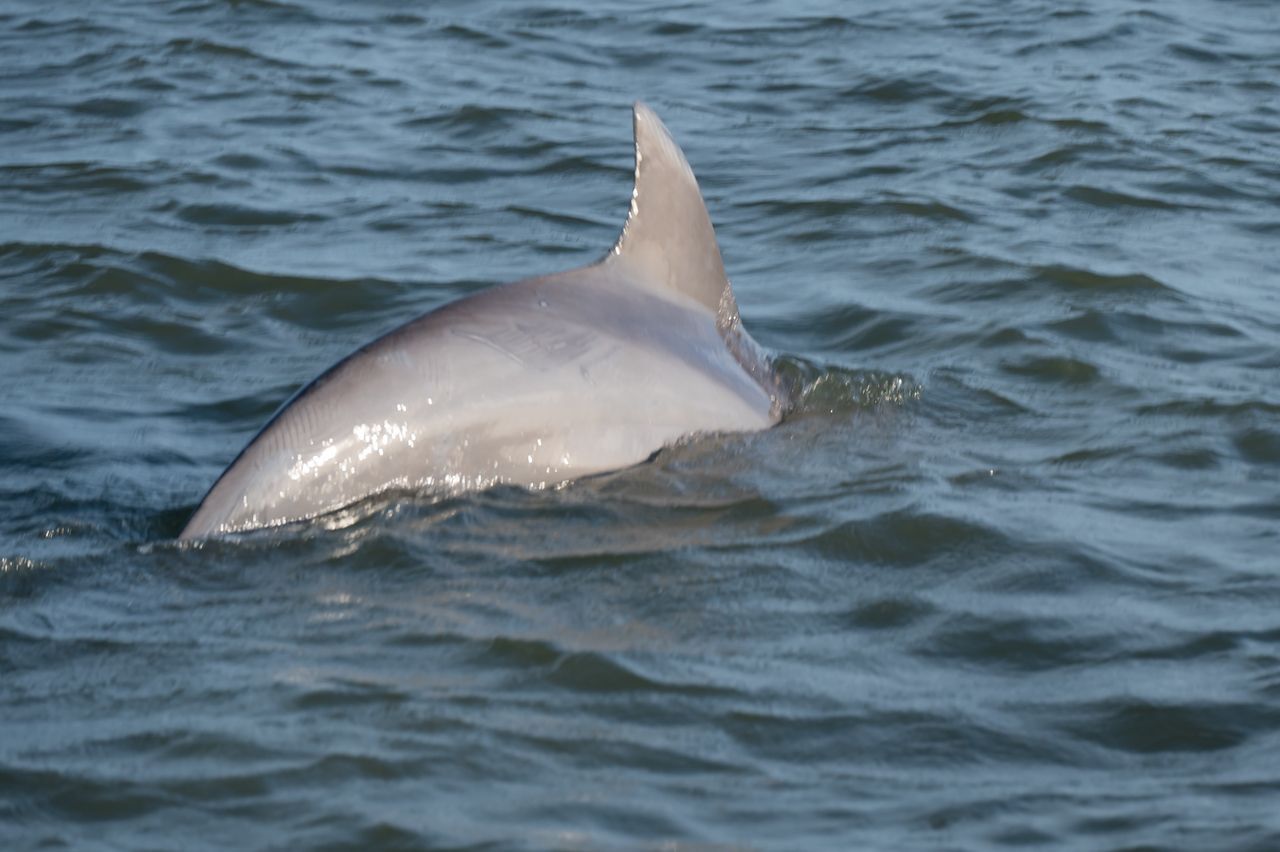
{"type": "Point", "coordinates": [533, 383]}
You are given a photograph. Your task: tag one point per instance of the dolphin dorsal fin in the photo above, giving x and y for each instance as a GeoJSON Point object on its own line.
{"type": "Point", "coordinates": [668, 238]}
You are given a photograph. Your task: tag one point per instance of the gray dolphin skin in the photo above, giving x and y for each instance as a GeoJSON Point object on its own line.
{"type": "Point", "coordinates": [534, 383]}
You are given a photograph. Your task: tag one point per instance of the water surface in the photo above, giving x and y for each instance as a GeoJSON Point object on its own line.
{"type": "Point", "coordinates": [1007, 577]}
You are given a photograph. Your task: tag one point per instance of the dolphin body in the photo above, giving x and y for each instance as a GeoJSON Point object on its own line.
{"type": "Point", "coordinates": [533, 383]}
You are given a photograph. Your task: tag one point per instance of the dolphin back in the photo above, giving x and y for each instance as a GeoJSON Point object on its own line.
{"type": "Point", "coordinates": [533, 383]}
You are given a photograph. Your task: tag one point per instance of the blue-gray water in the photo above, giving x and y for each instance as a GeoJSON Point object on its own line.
{"type": "Point", "coordinates": [1009, 576]}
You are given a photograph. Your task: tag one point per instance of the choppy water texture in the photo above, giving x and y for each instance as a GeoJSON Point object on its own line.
{"type": "Point", "coordinates": [1009, 577]}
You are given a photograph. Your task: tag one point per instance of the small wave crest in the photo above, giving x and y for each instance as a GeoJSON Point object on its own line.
{"type": "Point", "coordinates": [824, 389]}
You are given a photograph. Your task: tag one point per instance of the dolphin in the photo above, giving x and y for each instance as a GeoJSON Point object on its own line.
{"type": "Point", "coordinates": [534, 383]}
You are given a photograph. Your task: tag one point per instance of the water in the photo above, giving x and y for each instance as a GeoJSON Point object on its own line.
{"type": "Point", "coordinates": [1009, 575]}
